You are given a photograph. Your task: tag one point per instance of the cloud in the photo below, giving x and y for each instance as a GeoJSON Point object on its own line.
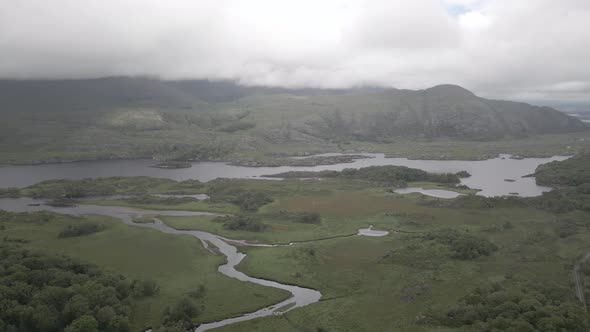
{"type": "Point", "coordinates": [498, 48]}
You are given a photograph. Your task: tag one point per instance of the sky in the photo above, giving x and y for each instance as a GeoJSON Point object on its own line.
{"type": "Point", "coordinates": [513, 49]}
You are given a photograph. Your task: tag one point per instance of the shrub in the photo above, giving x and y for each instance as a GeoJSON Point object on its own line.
{"type": "Point", "coordinates": [247, 200]}
{"type": "Point", "coordinates": [521, 307]}
{"type": "Point", "coordinates": [59, 293]}
{"type": "Point", "coordinates": [241, 222]}
{"type": "Point", "coordinates": [82, 229]}
{"type": "Point", "coordinates": [144, 288]}
{"type": "Point", "coordinates": [464, 246]}
{"type": "Point", "coordinates": [181, 313]}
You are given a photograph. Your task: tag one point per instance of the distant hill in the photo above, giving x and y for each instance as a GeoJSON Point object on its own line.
{"type": "Point", "coordinates": [361, 113]}
{"type": "Point", "coordinates": [128, 117]}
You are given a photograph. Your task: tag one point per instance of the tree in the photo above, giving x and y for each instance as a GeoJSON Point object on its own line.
{"type": "Point", "coordinates": [84, 323]}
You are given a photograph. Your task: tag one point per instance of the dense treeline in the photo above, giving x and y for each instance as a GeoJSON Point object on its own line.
{"type": "Point", "coordinates": [42, 292]}
{"type": "Point", "coordinates": [557, 201]}
{"type": "Point", "coordinates": [571, 172]}
{"type": "Point", "coordinates": [389, 175]}
{"type": "Point", "coordinates": [106, 187]}
{"type": "Point", "coordinates": [522, 307]}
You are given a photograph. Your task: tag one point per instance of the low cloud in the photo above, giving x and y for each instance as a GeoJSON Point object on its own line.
{"type": "Point", "coordinates": [497, 48]}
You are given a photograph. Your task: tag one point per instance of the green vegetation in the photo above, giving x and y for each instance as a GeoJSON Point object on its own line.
{"type": "Point", "coordinates": [138, 185]}
{"type": "Point", "coordinates": [61, 202]}
{"type": "Point", "coordinates": [246, 200]}
{"type": "Point", "coordinates": [168, 267]}
{"type": "Point", "coordinates": [241, 222]}
{"type": "Point", "coordinates": [300, 217]}
{"type": "Point", "coordinates": [470, 263]}
{"type": "Point", "coordinates": [144, 118]}
{"type": "Point", "coordinates": [463, 246]}
{"type": "Point", "coordinates": [521, 307]}
{"type": "Point", "coordinates": [386, 175]}
{"type": "Point", "coordinates": [144, 219]}
{"type": "Point", "coordinates": [82, 229]}
{"type": "Point", "coordinates": [570, 172]}
{"type": "Point", "coordinates": [43, 292]}
{"type": "Point", "coordinates": [155, 200]}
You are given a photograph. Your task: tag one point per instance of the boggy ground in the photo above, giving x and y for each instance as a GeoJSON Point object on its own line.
{"type": "Point", "coordinates": [178, 264]}
{"type": "Point", "coordinates": [410, 279]}
{"type": "Point", "coordinates": [442, 258]}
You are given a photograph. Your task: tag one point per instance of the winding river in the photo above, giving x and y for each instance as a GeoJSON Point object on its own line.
{"type": "Point", "coordinates": [498, 176]}
{"type": "Point", "coordinates": [299, 296]}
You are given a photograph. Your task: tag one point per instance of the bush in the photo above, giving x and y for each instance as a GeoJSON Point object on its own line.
{"type": "Point", "coordinates": [463, 174]}
{"type": "Point", "coordinates": [571, 172]}
{"type": "Point", "coordinates": [197, 293]}
{"type": "Point", "coordinates": [82, 229]}
{"type": "Point", "coordinates": [526, 307]}
{"type": "Point", "coordinates": [247, 200]}
{"type": "Point", "coordinates": [144, 288]}
{"type": "Point", "coordinates": [58, 293]}
{"type": "Point", "coordinates": [308, 218]}
{"type": "Point", "coordinates": [181, 313]}
{"type": "Point", "coordinates": [464, 246]}
{"type": "Point", "coordinates": [241, 222]}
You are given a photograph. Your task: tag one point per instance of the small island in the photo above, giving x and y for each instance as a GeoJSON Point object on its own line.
{"type": "Point", "coordinates": [173, 164]}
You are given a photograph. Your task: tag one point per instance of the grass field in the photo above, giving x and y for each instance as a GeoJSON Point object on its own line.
{"type": "Point", "coordinates": [393, 283]}
{"type": "Point", "coordinates": [383, 284]}
{"type": "Point", "coordinates": [191, 206]}
{"type": "Point", "coordinates": [177, 263]}
{"type": "Point", "coordinates": [363, 291]}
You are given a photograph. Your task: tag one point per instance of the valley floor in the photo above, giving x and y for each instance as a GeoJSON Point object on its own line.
{"type": "Point", "coordinates": [442, 259]}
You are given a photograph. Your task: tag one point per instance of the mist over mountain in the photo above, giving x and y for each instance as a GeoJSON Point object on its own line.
{"type": "Point", "coordinates": [364, 113]}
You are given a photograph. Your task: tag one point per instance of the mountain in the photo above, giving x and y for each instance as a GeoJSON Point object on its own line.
{"type": "Point", "coordinates": [129, 117]}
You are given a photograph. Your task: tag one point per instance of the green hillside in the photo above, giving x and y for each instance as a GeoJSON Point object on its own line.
{"type": "Point", "coordinates": [121, 117]}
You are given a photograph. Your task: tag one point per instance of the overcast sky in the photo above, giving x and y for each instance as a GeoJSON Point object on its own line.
{"type": "Point", "coordinates": [519, 49]}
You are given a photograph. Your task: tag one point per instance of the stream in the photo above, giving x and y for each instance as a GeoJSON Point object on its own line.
{"type": "Point", "coordinates": [299, 296]}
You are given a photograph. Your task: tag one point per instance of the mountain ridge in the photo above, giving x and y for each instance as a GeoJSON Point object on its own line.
{"type": "Point", "coordinates": [127, 108]}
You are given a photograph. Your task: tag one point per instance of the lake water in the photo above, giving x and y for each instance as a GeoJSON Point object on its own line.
{"type": "Point", "coordinates": [487, 175]}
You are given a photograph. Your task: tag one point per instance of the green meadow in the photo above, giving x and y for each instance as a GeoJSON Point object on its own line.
{"type": "Point", "coordinates": [178, 264]}
{"type": "Point", "coordinates": [464, 264]}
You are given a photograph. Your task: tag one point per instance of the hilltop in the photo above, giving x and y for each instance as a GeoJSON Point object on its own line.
{"type": "Point", "coordinates": [143, 117]}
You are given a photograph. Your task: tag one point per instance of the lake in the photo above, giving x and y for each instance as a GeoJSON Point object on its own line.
{"type": "Point", "coordinates": [487, 175]}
